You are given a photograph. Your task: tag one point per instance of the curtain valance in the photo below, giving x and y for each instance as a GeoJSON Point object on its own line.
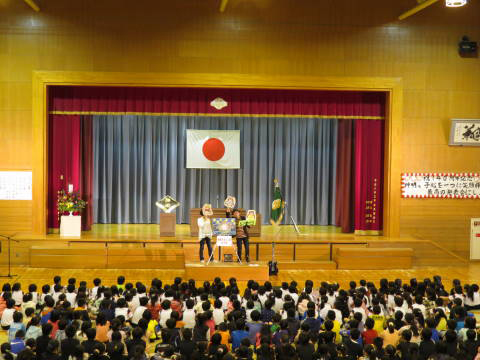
{"type": "Point", "coordinates": [89, 100]}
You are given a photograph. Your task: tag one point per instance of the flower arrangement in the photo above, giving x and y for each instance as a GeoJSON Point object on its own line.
{"type": "Point", "coordinates": [69, 202]}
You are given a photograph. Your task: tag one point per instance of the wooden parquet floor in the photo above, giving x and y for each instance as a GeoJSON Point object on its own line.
{"type": "Point", "coordinates": [468, 273]}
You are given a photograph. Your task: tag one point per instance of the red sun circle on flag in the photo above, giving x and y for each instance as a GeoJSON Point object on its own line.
{"type": "Point", "coordinates": [213, 149]}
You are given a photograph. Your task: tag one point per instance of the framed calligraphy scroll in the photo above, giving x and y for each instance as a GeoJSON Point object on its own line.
{"type": "Point", "coordinates": [464, 132]}
{"type": "Point", "coordinates": [441, 185]}
{"type": "Point", "coordinates": [15, 185]}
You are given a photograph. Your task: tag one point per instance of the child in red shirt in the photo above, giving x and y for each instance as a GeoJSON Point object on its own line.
{"type": "Point", "coordinates": [154, 307]}
{"type": "Point", "coordinates": [210, 323]}
{"type": "Point", "coordinates": [369, 334]}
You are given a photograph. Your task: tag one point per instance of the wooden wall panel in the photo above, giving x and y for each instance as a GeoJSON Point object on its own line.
{"type": "Point", "coordinates": [284, 37]}
{"type": "Point", "coordinates": [200, 272]}
{"type": "Point", "coordinates": [355, 258]}
{"type": "Point", "coordinates": [312, 252]}
{"type": "Point", "coordinates": [15, 217]}
{"type": "Point", "coordinates": [68, 257]}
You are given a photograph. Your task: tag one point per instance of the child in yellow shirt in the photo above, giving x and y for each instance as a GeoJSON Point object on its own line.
{"type": "Point", "coordinates": [378, 318]}
{"type": "Point", "coordinates": [225, 334]}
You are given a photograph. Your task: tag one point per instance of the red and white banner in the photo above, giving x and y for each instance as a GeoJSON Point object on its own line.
{"type": "Point", "coordinates": [213, 149]}
{"type": "Point", "coordinates": [441, 185]}
{"type": "Point", "coordinates": [475, 239]}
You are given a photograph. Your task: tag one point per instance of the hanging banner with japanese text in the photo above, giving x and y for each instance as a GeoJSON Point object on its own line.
{"type": "Point", "coordinates": [368, 177]}
{"type": "Point", "coordinates": [475, 239]}
{"type": "Point", "coordinates": [441, 185]}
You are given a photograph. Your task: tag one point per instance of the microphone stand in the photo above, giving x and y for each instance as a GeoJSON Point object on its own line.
{"type": "Point", "coordinates": [9, 275]}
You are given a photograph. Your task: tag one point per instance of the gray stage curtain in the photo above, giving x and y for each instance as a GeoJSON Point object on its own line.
{"type": "Point", "coordinates": [139, 159]}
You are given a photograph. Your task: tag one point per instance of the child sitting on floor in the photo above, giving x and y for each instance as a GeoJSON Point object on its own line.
{"type": "Point", "coordinates": [16, 325]}
{"type": "Point", "coordinates": [33, 329]}
{"type": "Point", "coordinates": [17, 344]}
{"type": "Point", "coordinates": [7, 315]}
{"type": "Point", "coordinates": [29, 314]}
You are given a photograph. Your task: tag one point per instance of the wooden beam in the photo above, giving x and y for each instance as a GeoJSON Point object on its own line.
{"type": "Point", "coordinates": [32, 4]}
{"type": "Point", "coordinates": [417, 8]}
{"type": "Point", "coordinates": [223, 5]}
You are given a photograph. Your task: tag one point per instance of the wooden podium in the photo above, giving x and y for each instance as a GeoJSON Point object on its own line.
{"type": "Point", "coordinates": [255, 230]}
{"type": "Point", "coordinates": [167, 224]}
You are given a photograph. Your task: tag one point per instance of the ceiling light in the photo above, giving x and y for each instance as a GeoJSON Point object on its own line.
{"type": "Point", "coordinates": [455, 3]}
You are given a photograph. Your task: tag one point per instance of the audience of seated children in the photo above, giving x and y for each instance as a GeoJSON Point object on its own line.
{"type": "Point", "coordinates": [417, 320]}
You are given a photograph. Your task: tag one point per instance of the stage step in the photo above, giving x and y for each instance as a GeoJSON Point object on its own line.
{"type": "Point", "coordinates": [307, 265]}
{"type": "Point", "coordinates": [373, 258]}
{"type": "Point", "coordinates": [67, 257]}
{"type": "Point", "coordinates": [241, 272]}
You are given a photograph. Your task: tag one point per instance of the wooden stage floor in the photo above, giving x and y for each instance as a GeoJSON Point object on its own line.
{"type": "Point", "coordinates": [150, 233]}
{"type": "Point", "coordinates": [429, 259]}
{"type": "Point", "coordinates": [290, 246]}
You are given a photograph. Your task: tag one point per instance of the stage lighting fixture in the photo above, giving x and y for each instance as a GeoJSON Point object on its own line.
{"type": "Point", "coordinates": [455, 3]}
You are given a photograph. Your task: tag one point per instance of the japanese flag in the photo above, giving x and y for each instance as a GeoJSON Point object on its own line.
{"type": "Point", "coordinates": [213, 149]}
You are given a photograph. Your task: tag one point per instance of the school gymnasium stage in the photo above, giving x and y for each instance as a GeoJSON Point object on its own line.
{"type": "Point", "coordinates": [139, 246]}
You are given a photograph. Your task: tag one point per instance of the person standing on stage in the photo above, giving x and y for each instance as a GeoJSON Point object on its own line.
{"type": "Point", "coordinates": [205, 234]}
{"type": "Point", "coordinates": [242, 233]}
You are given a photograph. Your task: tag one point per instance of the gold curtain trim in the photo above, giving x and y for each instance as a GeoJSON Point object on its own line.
{"type": "Point", "coordinates": [368, 232]}
{"type": "Point", "coordinates": [216, 115]}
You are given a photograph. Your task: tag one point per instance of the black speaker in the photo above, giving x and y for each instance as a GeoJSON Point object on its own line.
{"type": "Point", "coordinates": [272, 268]}
{"type": "Point", "coordinates": [467, 48]}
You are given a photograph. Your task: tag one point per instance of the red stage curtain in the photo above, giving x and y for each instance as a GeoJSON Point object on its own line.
{"type": "Point", "coordinates": [70, 152]}
{"type": "Point", "coordinates": [344, 200]}
{"type": "Point", "coordinates": [369, 135]}
{"type": "Point", "coordinates": [360, 152]}
{"type": "Point", "coordinates": [85, 99]}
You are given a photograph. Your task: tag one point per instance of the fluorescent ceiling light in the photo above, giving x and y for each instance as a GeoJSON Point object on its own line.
{"type": "Point", "coordinates": [455, 3]}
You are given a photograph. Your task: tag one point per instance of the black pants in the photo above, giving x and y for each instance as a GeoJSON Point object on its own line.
{"type": "Point", "coordinates": [239, 247]}
{"type": "Point", "coordinates": [209, 247]}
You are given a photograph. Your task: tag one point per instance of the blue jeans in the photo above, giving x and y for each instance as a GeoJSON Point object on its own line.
{"type": "Point", "coordinates": [239, 247]}
{"type": "Point", "coordinates": [209, 247]}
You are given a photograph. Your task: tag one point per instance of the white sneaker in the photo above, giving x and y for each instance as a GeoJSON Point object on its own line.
{"type": "Point", "coordinates": [202, 261]}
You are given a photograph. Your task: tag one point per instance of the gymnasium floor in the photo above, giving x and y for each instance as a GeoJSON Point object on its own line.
{"type": "Point", "coordinates": [429, 258]}
{"type": "Point", "coordinates": [26, 276]}
{"type": "Point", "coordinates": [468, 273]}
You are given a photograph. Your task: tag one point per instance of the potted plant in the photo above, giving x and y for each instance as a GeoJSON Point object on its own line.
{"type": "Point", "coordinates": [70, 202]}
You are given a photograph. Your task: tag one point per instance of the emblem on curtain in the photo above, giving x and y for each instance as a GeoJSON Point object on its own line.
{"type": "Point", "coordinates": [167, 204]}
{"type": "Point", "coordinates": [218, 103]}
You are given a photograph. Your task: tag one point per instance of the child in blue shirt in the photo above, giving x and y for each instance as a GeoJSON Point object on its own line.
{"type": "Point", "coordinates": [17, 344]}
{"type": "Point", "coordinates": [277, 336]}
{"type": "Point", "coordinates": [431, 325]}
{"type": "Point", "coordinates": [254, 326]}
{"type": "Point", "coordinates": [34, 329]}
{"type": "Point", "coordinates": [267, 313]}
{"type": "Point", "coordinates": [239, 334]}
{"type": "Point", "coordinates": [16, 325]}
{"type": "Point", "coordinates": [312, 322]}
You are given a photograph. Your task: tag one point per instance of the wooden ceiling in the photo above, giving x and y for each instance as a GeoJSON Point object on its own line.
{"type": "Point", "coordinates": [421, 5]}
